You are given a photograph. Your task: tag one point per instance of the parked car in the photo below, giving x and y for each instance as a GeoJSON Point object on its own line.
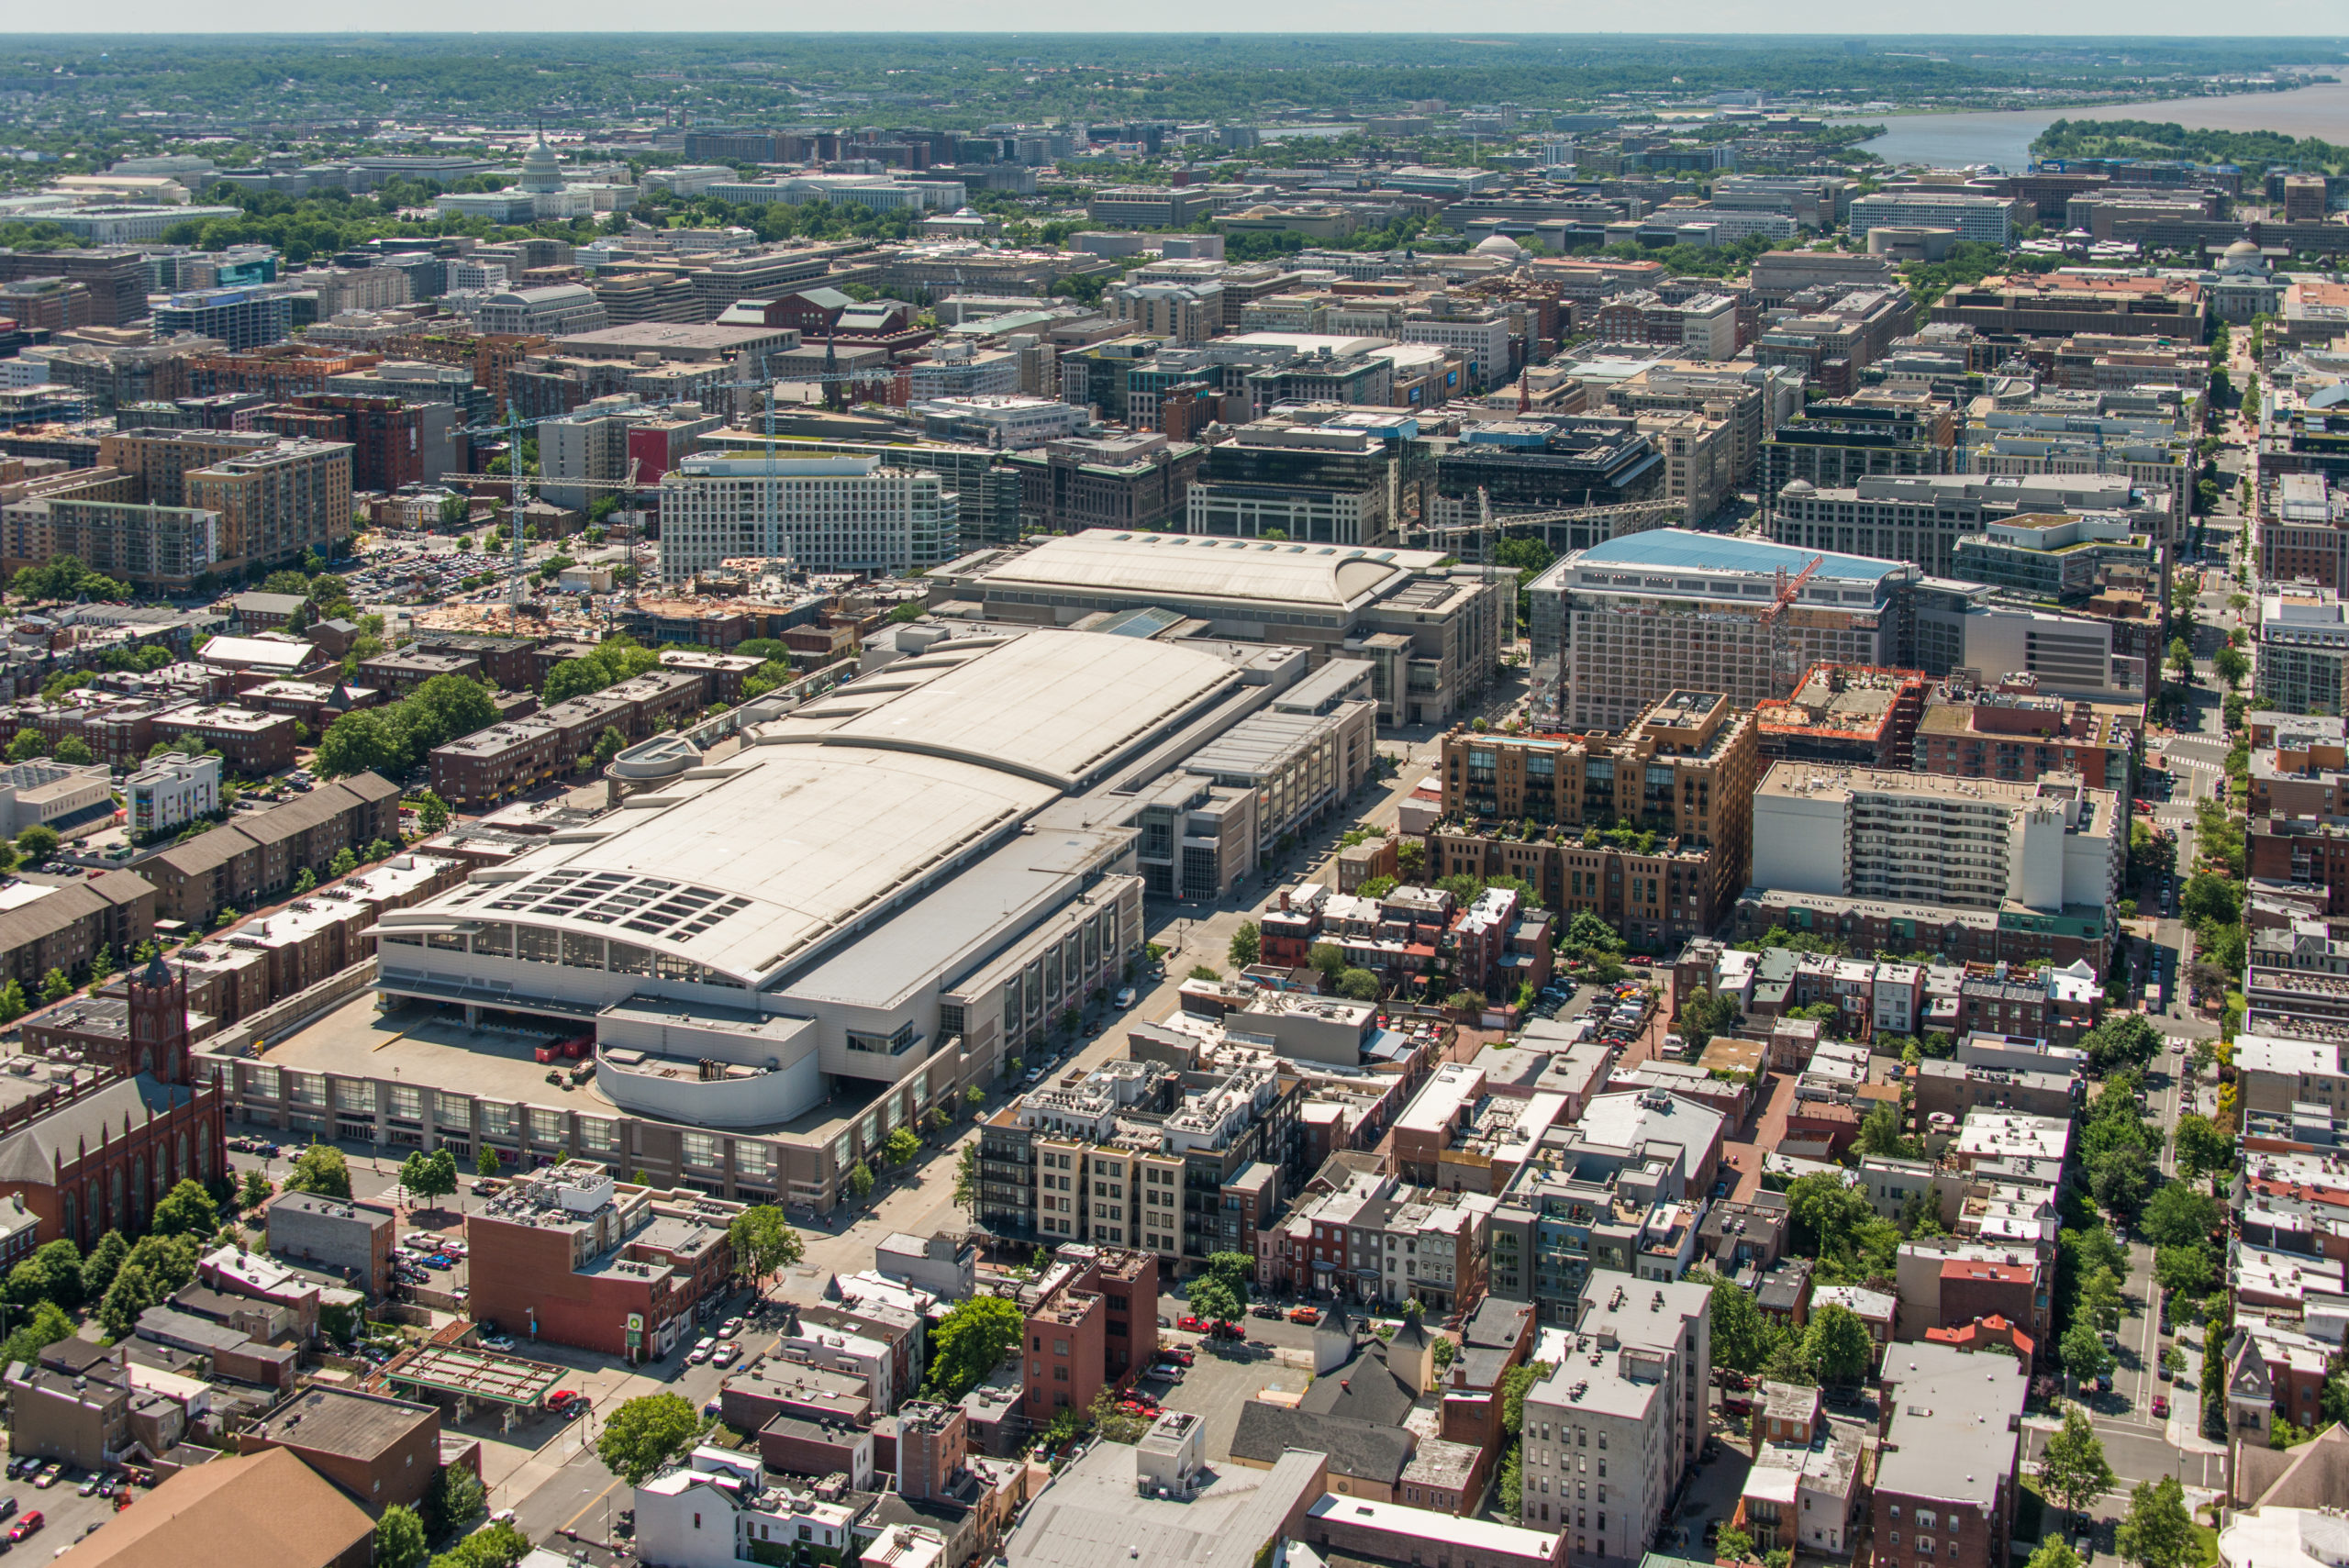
{"type": "Point", "coordinates": [49, 1475]}
{"type": "Point", "coordinates": [496, 1342]}
{"type": "Point", "coordinates": [89, 1487]}
{"type": "Point", "coordinates": [2161, 1406]}
{"type": "Point", "coordinates": [1124, 997]}
{"type": "Point", "coordinates": [1304, 1314]}
{"type": "Point", "coordinates": [1191, 1323]}
{"type": "Point", "coordinates": [27, 1525]}
{"type": "Point", "coordinates": [703, 1350]}
{"type": "Point", "coordinates": [1178, 1356]}
{"type": "Point", "coordinates": [1263, 1309]}
{"type": "Point", "coordinates": [726, 1352]}
{"type": "Point", "coordinates": [8, 1507]}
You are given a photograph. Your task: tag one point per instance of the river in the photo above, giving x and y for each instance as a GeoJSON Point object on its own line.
{"type": "Point", "coordinates": [2005, 137]}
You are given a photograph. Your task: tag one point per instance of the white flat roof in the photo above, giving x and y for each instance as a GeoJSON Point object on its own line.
{"type": "Point", "coordinates": [1200, 566]}
{"type": "Point", "coordinates": [1426, 1524]}
{"type": "Point", "coordinates": [889, 784]}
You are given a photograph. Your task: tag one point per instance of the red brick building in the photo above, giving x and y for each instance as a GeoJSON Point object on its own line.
{"type": "Point", "coordinates": [570, 1255]}
{"type": "Point", "coordinates": [98, 1157]}
{"type": "Point", "coordinates": [2303, 849]}
{"type": "Point", "coordinates": [1974, 1288]}
{"type": "Point", "coordinates": [1092, 1323]}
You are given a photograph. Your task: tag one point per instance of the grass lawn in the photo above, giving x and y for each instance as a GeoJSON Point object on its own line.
{"type": "Point", "coordinates": [2205, 1546]}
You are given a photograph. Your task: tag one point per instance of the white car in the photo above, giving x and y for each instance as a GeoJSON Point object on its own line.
{"type": "Point", "coordinates": [452, 1248]}
{"type": "Point", "coordinates": [703, 1350]}
{"type": "Point", "coordinates": [727, 1351]}
{"type": "Point", "coordinates": [1124, 997]}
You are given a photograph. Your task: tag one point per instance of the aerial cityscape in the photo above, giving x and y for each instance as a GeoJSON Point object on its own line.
{"type": "Point", "coordinates": [1216, 800]}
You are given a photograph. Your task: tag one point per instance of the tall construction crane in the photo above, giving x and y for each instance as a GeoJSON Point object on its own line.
{"type": "Point", "coordinates": [517, 477]}
{"type": "Point", "coordinates": [1784, 591]}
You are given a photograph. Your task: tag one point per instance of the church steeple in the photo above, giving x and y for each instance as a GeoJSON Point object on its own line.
{"type": "Point", "coordinates": [158, 1042]}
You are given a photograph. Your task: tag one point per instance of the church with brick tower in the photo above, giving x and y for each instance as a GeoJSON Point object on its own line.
{"type": "Point", "coordinates": [117, 1117]}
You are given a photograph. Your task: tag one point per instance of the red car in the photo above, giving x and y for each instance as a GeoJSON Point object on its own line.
{"type": "Point", "coordinates": [1179, 1357]}
{"type": "Point", "coordinates": [25, 1525]}
{"type": "Point", "coordinates": [2161, 1406]}
{"type": "Point", "coordinates": [1190, 1323]}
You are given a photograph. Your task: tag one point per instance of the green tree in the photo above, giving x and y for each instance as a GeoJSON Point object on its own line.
{"type": "Point", "coordinates": [48, 1325]}
{"type": "Point", "coordinates": [2157, 1532]}
{"type": "Point", "coordinates": [2083, 1355]}
{"type": "Point", "coordinates": [52, 1273]}
{"type": "Point", "coordinates": [12, 1005]}
{"type": "Point", "coordinates": [969, 1343]}
{"type": "Point", "coordinates": [2209, 900]}
{"type": "Point", "coordinates": [487, 1164]}
{"type": "Point", "coordinates": [2187, 1271]}
{"type": "Point", "coordinates": [27, 746]}
{"type": "Point", "coordinates": [343, 863]}
{"type": "Point", "coordinates": [429, 1176]}
{"type": "Point", "coordinates": [1826, 1210]}
{"type": "Point", "coordinates": [1743, 1337]}
{"type": "Point", "coordinates": [1214, 1300]}
{"type": "Point", "coordinates": [2179, 1215]}
{"type": "Point", "coordinates": [55, 986]}
{"type": "Point", "coordinates": [860, 1181]}
{"type": "Point", "coordinates": [1734, 1545]}
{"type": "Point", "coordinates": [2073, 1472]}
{"type": "Point", "coordinates": [1880, 1132]}
{"type": "Point", "coordinates": [764, 1243]}
{"type": "Point", "coordinates": [609, 744]}
{"type": "Point", "coordinates": [431, 812]}
{"type": "Point", "coordinates": [645, 1433]}
{"type": "Point", "coordinates": [1411, 859]}
{"type": "Point", "coordinates": [2202, 1149]}
{"type": "Point", "coordinates": [1586, 933]}
{"type": "Point", "coordinates": [306, 882]}
{"type": "Point", "coordinates": [1704, 1015]}
{"type": "Point", "coordinates": [186, 1210]}
{"type": "Point", "coordinates": [320, 1169]}
{"type": "Point", "coordinates": [1837, 1343]}
{"type": "Point", "coordinates": [1358, 986]}
{"type": "Point", "coordinates": [497, 1544]}
{"type": "Point", "coordinates": [134, 1290]}
{"type": "Point", "coordinates": [2181, 659]}
{"type": "Point", "coordinates": [38, 843]}
{"type": "Point", "coordinates": [2231, 664]}
{"type": "Point", "coordinates": [399, 1538]}
{"type": "Point", "coordinates": [2121, 1178]}
{"type": "Point", "coordinates": [1235, 1270]}
{"type": "Point", "coordinates": [1516, 1383]}
{"type": "Point", "coordinates": [105, 1261]}
{"type": "Point", "coordinates": [75, 750]}
{"type": "Point", "coordinates": [901, 1146]}
{"type": "Point", "coordinates": [255, 1189]}
{"type": "Point", "coordinates": [2100, 1299]}
{"type": "Point", "coordinates": [1329, 960]}
{"type": "Point", "coordinates": [1247, 944]}
{"type": "Point", "coordinates": [966, 1175]}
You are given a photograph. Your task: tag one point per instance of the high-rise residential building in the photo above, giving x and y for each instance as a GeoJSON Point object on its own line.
{"type": "Point", "coordinates": [1181, 313]}
{"type": "Point", "coordinates": [827, 514]}
{"type": "Point", "coordinates": [1677, 782]}
{"type": "Point", "coordinates": [2304, 534]}
{"type": "Point", "coordinates": [2053, 845]}
{"type": "Point", "coordinates": [2144, 442]}
{"type": "Point", "coordinates": [1131, 1158]}
{"type": "Point", "coordinates": [1622, 624]}
{"type": "Point", "coordinates": [1609, 1434]}
{"type": "Point", "coordinates": [241, 318]}
{"type": "Point", "coordinates": [2300, 650]}
{"type": "Point", "coordinates": [277, 503]}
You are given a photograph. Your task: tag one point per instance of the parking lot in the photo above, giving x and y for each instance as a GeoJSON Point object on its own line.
{"type": "Point", "coordinates": [1221, 1380]}
{"type": "Point", "coordinates": [66, 1515]}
